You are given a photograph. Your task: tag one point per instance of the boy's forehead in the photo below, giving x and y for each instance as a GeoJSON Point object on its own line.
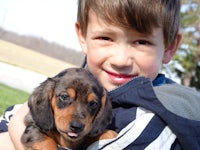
{"type": "Point", "coordinates": [94, 18]}
{"type": "Point", "coordinates": [123, 20]}
{"type": "Point", "coordinates": [104, 24]}
{"type": "Point", "coordinates": [140, 15]}
{"type": "Point", "coordinates": [96, 25]}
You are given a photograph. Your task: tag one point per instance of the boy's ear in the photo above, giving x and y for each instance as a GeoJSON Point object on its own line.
{"type": "Point", "coordinates": [171, 49]}
{"type": "Point", "coordinates": [81, 38]}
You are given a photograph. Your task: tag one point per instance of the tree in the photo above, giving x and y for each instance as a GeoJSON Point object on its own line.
{"type": "Point", "coordinates": [188, 55]}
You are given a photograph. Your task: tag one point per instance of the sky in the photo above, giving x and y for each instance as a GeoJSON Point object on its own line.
{"type": "Point", "coordinates": [52, 20]}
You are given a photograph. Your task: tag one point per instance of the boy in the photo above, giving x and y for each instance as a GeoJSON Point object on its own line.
{"type": "Point", "coordinates": [126, 42]}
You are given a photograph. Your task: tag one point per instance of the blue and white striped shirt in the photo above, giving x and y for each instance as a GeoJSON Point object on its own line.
{"type": "Point", "coordinates": [142, 121]}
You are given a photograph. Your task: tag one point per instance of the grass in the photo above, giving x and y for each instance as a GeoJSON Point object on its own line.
{"type": "Point", "coordinates": [10, 96]}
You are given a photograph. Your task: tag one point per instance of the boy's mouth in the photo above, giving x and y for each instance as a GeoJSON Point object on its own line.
{"type": "Point", "coordinates": [119, 78]}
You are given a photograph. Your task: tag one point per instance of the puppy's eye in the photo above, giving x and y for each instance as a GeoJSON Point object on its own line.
{"type": "Point", "coordinates": [93, 105]}
{"type": "Point", "coordinates": [64, 97]}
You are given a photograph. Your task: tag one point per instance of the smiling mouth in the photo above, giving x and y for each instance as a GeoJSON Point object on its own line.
{"type": "Point", "coordinates": [119, 78]}
{"type": "Point", "coordinates": [118, 75]}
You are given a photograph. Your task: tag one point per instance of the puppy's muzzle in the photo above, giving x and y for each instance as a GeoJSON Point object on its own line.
{"type": "Point", "coordinates": [76, 126]}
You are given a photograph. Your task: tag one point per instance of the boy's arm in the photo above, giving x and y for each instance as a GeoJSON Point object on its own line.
{"type": "Point", "coordinates": [16, 126]}
{"type": "Point", "coordinates": [6, 143]}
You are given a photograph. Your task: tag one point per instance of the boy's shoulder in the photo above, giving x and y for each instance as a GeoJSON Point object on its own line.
{"type": "Point", "coordinates": [181, 100]}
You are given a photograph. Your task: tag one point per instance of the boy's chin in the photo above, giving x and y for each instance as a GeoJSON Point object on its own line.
{"type": "Point", "coordinates": [111, 87]}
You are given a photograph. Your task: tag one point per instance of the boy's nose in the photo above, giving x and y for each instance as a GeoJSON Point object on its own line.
{"type": "Point", "coordinates": [121, 57]}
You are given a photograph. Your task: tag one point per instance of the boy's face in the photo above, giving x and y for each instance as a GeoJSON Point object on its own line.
{"type": "Point", "coordinates": [116, 55]}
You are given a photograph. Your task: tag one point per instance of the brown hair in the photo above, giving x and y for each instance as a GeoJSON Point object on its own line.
{"type": "Point", "coordinates": [140, 15]}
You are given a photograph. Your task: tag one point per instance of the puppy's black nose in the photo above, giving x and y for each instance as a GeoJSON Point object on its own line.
{"type": "Point", "coordinates": [76, 126]}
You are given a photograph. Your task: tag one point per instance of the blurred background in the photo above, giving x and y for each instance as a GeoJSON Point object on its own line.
{"type": "Point", "coordinates": [186, 63]}
{"type": "Point", "coordinates": [37, 40]}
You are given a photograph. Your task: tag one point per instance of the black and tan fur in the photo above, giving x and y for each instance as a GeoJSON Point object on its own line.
{"type": "Point", "coordinates": [66, 110]}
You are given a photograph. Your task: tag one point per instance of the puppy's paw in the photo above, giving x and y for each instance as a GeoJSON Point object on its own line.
{"type": "Point", "coordinates": [107, 134]}
{"type": "Point", "coordinates": [31, 134]}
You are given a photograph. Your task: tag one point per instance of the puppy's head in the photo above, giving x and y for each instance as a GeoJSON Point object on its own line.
{"type": "Point", "coordinates": [73, 102]}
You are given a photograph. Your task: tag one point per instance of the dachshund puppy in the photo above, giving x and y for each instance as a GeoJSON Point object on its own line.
{"type": "Point", "coordinates": [65, 111]}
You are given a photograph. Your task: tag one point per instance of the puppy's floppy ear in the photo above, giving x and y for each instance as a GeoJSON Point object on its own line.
{"type": "Point", "coordinates": [103, 117]}
{"type": "Point", "coordinates": [40, 105]}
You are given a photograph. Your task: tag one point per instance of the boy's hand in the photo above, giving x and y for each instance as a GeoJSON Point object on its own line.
{"type": "Point", "coordinates": [16, 126]}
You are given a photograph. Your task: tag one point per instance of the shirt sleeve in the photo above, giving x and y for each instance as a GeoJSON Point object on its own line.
{"type": "Point", "coordinates": [5, 118]}
{"type": "Point", "coordinates": [130, 136]}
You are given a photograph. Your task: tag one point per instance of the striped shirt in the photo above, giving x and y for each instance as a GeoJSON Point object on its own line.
{"type": "Point", "coordinates": [142, 121]}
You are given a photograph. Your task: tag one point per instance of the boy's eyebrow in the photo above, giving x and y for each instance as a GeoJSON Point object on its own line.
{"type": "Point", "coordinates": [103, 31]}
{"type": "Point", "coordinates": [112, 31]}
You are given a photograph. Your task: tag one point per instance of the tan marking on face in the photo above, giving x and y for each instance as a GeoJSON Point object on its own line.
{"type": "Point", "coordinates": [64, 117]}
{"type": "Point", "coordinates": [71, 92]}
{"type": "Point", "coordinates": [91, 97]}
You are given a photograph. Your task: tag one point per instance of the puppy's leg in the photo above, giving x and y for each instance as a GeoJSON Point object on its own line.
{"type": "Point", "coordinates": [107, 134]}
{"type": "Point", "coordinates": [33, 139]}
{"type": "Point", "coordinates": [45, 144]}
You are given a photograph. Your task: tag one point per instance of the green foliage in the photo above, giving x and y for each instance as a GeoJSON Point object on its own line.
{"type": "Point", "coordinates": [10, 96]}
{"type": "Point", "coordinates": [188, 56]}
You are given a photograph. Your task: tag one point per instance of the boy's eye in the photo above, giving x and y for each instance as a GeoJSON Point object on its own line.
{"type": "Point", "coordinates": [104, 38]}
{"type": "Point", "coordinates": [142, 42]}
